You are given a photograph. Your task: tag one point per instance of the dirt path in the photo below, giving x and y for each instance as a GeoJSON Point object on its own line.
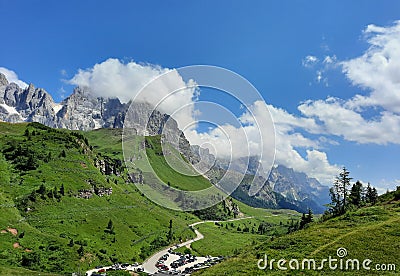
{"type": "Point", "coordinates": [366, 228]}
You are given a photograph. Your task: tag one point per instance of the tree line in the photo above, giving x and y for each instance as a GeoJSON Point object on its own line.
{"type": "Point", "coordinates": [345, 196]}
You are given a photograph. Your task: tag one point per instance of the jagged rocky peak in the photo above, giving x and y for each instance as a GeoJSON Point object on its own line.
{"type": "Point", "coordinates": [3, 80]}
{"type": "Point", "coordinates": [84, 111]}
{"type": "Point", "coordinates": [29, 104]}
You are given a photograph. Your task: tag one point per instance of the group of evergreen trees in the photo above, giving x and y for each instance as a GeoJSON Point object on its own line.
{"type": "Point", "coordinates": [42, 191]}
{"type": "Point", "coordinates": [344, 197]}
{"type": "Point", "coordinates": [298, 225]}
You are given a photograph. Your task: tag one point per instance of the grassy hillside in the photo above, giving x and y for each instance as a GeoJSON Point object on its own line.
{"type": "Point", "coordinates": [54, 230]}
{"type": "Point", "coordinates": [228, 238]}
{"type": "Point", "coordinates": [108, 141]}
{"type": "Point", "coordinates": [368, 233]}
{"type": "Point", "coordinates": [57, 217]}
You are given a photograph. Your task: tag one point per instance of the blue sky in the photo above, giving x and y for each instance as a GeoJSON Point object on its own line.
{"type": "Point", "coordinates": [267, 42]}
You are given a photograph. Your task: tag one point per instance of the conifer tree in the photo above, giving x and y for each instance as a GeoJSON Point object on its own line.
{"type": "Point", "coordinates": [340, 192]}
{"type": "Point", "coordinates": [356, 193]}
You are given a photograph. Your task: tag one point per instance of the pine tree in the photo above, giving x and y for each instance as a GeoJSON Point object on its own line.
{"type": "Point", "coordinates": [81, 251]}
{"type": "Point", "coordinates": [62, 190]}
{"type": "Point", "coordinates": [339, 192]}
{"type": "Point", "coordinates": [26, 133]}
{"type": "Point", "coordinates": [303, 221]}
{"type": "Point", "coordinates": [310, 216]}
{"type": "Point", "coordinates": [356, 194]}
{"type": "Point", "coordinates": [110, 227]}
{"type": "Point", "coordinates": [63, 154]}
{"type": "Point", "coordinates": [170, 234]}
{"type": "Point", "coordinates": [374, 198]}
{"type": "Point", "coordinates": [371, 195]}
{"type": "Point", "coordinates": [335, 205]}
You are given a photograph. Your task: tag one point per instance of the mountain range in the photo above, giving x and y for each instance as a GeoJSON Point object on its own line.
{"type": "Point", "coordinates": [282, 188]}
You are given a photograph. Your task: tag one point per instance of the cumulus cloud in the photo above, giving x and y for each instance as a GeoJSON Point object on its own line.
{"type": "Point", "coordinates": [13, 77]}
{"type": "Point", "coordinates": [377, 70]}
{"type": "Point", "coordinates": [288, 140]}
{"type": "Point", "coordinates": [339, 120]}
{"type": "Point", "coordinates": [113, 78]}
{"type": "Point", "coordinates": [253, 136]}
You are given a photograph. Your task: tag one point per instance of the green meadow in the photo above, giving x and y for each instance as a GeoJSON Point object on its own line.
{"type": "Point", "coordinates": [367, 233]}
{"type": "Point", "coordinates": [46, 225]}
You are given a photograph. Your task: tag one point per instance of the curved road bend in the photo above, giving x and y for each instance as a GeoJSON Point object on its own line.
{"type": "Point", "coordinates": [149, 265]}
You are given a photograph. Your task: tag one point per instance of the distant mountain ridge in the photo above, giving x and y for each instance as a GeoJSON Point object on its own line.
{"type": "Point", "coordinates": [79, 111]}
{"type": "Point", "coordinates": [283, 188]}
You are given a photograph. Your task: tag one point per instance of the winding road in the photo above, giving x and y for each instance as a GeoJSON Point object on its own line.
{"type": "Point", "coordinates": [149, 265]}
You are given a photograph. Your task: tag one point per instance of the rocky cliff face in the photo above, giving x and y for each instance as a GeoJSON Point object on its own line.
{"type": "Point", "coordinates": [80, 111]}
{"type": "Point", "coordinates": [83, 111]}
{"type": "Point", "coordinates": [282, 188]}
{"type": "Point", "coordinates": [297, 186]}
{"type": "Point", "coordinates": [30, 104]}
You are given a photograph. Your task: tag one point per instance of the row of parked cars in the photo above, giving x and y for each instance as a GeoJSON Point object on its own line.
{"type": "Point", "coordinates": [125, 266]}
{"type": "Point", "coordinates": [160, 263]}
{"type": "Point", "coordinates": [184, 259]}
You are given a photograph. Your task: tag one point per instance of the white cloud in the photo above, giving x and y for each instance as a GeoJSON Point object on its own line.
{"type": "Point", "coordinates": [112, 78]}
{"type": "Point", "coordinates": [13, 77]}
{"type": "Point", "coordinates": [339, 120]}
{"type": "Point", "coordinates": [320, 67]}
{"type": "Point", "coordinates": [287, 140]}
{"type": "Point", "coordinates": [330, 59]}
{"type": "Point", "coordinates": [377, 70]}
{"type": "Point", "coordinates": [309, 61]}
{"type": "Point", "coordinates": [387, 185]}
{"type": "Point", "coordinates": [319, 76]}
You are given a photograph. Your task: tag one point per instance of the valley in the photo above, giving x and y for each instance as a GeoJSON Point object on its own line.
{"type": "Point", "coordinates": [64, 220]}
{"type": "Point", "coordinates": [73, 199]}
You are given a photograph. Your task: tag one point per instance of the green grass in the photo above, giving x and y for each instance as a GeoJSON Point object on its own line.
{"type": "Point", "coordinates": [219, 241]}
{"type": "Point", "coordinates": [51, 230]}
{"type": "Point", "coordinates": [106, 141]}
{"type": "Point", "coordinates": [370, 232]}
{"type": "Point", "coordinates": [51, 224]}
{"type": "Point", "coordinates": [166, 167]}
{"type": "Point", "coordinates": [228, 238]}
{"type": "Point", "coordinates": [22, 272]}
